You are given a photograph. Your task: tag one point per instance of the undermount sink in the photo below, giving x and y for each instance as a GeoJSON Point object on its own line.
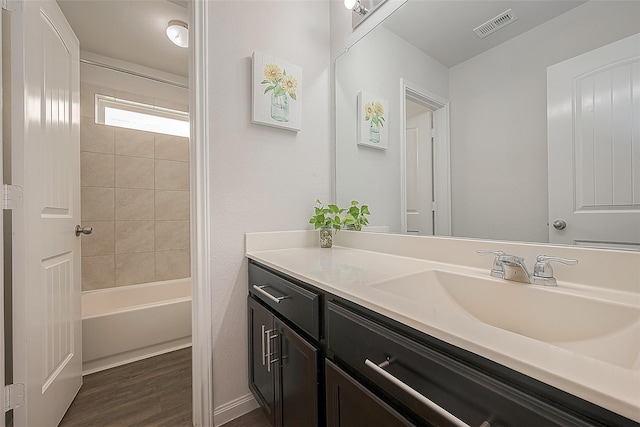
{"type": "Point", "coordinates": [543, 314]}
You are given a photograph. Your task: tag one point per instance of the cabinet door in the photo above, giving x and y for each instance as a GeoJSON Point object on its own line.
{"type": "Point", "coordinates": [262, 373]}
{"type": "Point", "coordinates": [298, 379]}
{"type": "Point", "coordinates": [350, 404]}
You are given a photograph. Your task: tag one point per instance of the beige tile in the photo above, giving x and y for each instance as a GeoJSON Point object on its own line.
{"type": "Point", "coordinates": [96, 138]}
{"type": "Point", "coordinates": [172, 205]}
{"type": "Point", "coordinates": [134, 172]}
{"type": "Point", "coordinates": [132, 269]}
{"type": "Point", "coordinates": [171, 175]}
{"type": "Point", "coordinates": [134, 236]}
{"type": "Point", "coordinates": [100, 241]}
{"type": "Point", "coordinates": [97, 204]}
{"type": "Point", "coordinates": [131, 142]}
{"type": "Point", "coordinates": [87, 98]}
{"type": "Point", "coordinates": [171, 147]}
{"type": "Point", "coordinates": [172, 105]}
{"type": "Point", "coordinates": [98, 272]}
{"type": "Point", "coordinates": [172, 235]}
{"type": "Point", "coordinates": [172, 265]}
{"type": "Point", "coordinates": [133, 204]}
{"type": "Point", "coordinates": [96, 169]}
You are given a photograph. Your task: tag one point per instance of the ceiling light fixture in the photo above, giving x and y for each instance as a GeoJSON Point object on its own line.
{"type": "Point", "coordinates": [356, 6]}
{"type": "Point", "coordinates": [178, 32]}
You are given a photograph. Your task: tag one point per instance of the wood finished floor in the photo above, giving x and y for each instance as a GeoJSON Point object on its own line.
{"type": "Point", "coordinates": [255, 418]}
{"type": "Point", "coordinates": [154, 392]}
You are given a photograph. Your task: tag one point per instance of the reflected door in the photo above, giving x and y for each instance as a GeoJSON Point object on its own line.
{"type": "Point", "coordinates": [419, 170]}
{"type": "Point", "coordinates": [593, 115]}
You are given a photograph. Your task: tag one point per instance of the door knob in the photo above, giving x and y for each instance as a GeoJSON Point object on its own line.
{"type": "Point", "coordinates": [83, 230]}
{"type": "Point", "coordinates": [559, 224]}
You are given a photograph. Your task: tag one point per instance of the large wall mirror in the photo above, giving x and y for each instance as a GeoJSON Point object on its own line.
{"type": "Point", "coordinates": [474, 146]}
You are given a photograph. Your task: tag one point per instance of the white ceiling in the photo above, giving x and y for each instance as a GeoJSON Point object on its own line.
{"type": "Point", "coordinates": [129, 30]}
{"type": "Point", "coordinates": [443, 29]}
{"type": "Point", "coordinates": [134, 30]}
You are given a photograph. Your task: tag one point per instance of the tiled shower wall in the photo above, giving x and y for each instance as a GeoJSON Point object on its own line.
{"type": "Point", "coordinates": [135, 195]}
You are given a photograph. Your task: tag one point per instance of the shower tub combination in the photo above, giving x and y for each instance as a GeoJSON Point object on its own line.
{"type": "Point", "coordinates": [124, 324]}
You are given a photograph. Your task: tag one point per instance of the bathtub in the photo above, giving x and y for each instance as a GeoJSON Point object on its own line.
{"type": "Point", "coordinates": [124, 324]}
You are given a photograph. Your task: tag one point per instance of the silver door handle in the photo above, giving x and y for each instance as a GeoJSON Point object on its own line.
{"type": "Point", "coordinates": [270, 353]}
{"type": "Point", "coordinates": [428, 403]}
{"type": "Point", "coordinates": [264, 355]}
{"type": "Point", "coordinates": [83, 230]}
{"type": "Point", "coordinates": [559, 224]}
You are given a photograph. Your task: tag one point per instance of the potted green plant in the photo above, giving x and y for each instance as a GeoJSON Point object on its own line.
{"type": "Point", "coordinates": [356, 216]}
{"type": "Point", "coordinates": [331, 217]}
{"type": "Point", "coordinates": [326, 219]}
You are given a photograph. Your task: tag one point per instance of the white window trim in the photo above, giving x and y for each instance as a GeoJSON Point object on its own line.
{"type": "Point", "coordinates": [103, 103]}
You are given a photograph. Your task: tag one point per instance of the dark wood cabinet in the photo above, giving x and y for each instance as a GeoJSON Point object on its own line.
{"type": "Point", "coordinates": [349, 404]}
{"type": "Point", "coordinates": [316, 358]}
{"type": "Point", "coordinates": [283, 369]}
{"type": "Point", "coordinates": [262, 378]}
{"type": "Point", "coordinates": [297, 385]}
{"type": "Point", "coordinates": [434, 387]}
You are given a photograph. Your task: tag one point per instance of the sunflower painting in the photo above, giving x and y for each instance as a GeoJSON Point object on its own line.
{"type": "Point", "coordinates": [372, 121]}
{"type": "Point", "coordinates": [277, 97]}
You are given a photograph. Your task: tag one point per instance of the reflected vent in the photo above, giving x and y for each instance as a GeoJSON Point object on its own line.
{"type": "Point", "coordinates": [493, 25]}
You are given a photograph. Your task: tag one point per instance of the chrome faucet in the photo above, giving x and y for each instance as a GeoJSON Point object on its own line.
{"type": "Point", "coordinates": [511, 267]}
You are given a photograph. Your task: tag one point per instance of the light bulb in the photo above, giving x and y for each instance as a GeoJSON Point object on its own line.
{"type": "Point", "coordinates": [349, 4]}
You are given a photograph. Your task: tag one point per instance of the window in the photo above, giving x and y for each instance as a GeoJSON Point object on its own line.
{"type": "Point", "coordinates": [135, 115]}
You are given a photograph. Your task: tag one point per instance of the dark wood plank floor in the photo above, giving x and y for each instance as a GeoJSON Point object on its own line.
{"type": "Point", "coordinates": [255, 418]}
{"type": "Point", "coordinates": [153, 392]}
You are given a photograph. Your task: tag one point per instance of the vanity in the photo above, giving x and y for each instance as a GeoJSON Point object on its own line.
{"type": "Point", "coordinates": [405, 330]}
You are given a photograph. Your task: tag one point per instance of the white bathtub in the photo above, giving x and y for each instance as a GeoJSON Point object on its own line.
{"type": "Point", "coordinates": [125, 324]}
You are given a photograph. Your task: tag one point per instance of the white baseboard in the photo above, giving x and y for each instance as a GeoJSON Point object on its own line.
{"type": "Point", "coordinates": [234, 409]}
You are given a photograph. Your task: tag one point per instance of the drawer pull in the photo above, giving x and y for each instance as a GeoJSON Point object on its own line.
{"type": "Point", "coordinates": [268, 295]}
{"type": "Point", "coordinates": [441, 411]}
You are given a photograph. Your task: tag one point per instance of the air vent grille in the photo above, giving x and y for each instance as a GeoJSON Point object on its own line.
{"type": "Point", "coordinates": [493, 25]}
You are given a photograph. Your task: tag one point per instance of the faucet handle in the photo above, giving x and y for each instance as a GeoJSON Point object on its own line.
{"type": "Point", "coordinates": [497, 270]}
{"type": "Point", "coordinates": [542, 269]}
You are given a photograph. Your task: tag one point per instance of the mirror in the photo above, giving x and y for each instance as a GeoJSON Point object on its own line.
{"type": "Point", "coordinates": [495, 90]}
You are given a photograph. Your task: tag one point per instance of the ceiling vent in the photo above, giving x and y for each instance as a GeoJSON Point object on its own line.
{"type": "Point", "coordinates": [493, 25]}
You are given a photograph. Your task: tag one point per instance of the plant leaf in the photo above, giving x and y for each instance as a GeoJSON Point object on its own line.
{"type": "Point", "coordinates": [268, 89]}
{"type": "Point", "coordinates": [293, 96]}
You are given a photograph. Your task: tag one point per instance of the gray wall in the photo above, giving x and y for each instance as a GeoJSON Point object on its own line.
{"type": "Point", "coordinates": [499, 121]}
{"type": "Point", "coordinates": [376, 64]}
{"type": "Point", "coordinates": [262, 178]}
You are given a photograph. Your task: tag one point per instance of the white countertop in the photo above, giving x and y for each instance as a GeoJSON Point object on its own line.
{"type": "Point", "coordinates": [350, 273]}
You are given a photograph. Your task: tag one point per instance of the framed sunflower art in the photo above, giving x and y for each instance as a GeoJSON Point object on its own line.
{"type": "Point", "coordinates": [277, 93]}
{"type": "Point", "coordinates": [373, 118]}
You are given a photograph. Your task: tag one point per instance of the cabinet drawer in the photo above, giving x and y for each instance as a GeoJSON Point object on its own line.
{"type": "Point", "coordinates": [349, 404]}
{"type": "Point", "coordinates": [428, 383]}
{"type": "Point", "coordinates": [296, 304]}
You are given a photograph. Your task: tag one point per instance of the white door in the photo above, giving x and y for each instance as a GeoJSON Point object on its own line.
{"type": "Point", "coordinates": [46, 252]}
{"type": "Point", "coordinates": [419, 172]}
{"type": "Point", "coordinates": [593, 115]}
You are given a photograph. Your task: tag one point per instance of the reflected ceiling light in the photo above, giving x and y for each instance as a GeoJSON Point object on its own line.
{"type": "Point", "coordinates": [356, 6]}
{"type": "Point", "coordinates": [178, 33]}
